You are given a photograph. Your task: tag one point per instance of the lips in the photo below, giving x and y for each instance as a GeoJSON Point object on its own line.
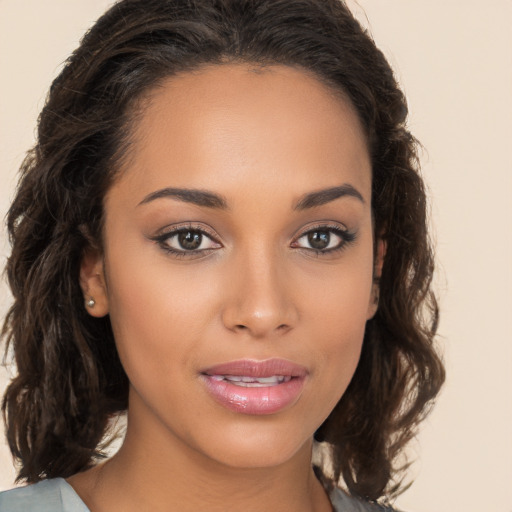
{"type": "Point", "coordinates": [255, 387]}
{"type": "Point", "coordinates": [253, 382]}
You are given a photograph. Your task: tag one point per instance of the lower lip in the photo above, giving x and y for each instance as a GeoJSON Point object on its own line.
{"type": "Point", "coordinates": [257, 401]}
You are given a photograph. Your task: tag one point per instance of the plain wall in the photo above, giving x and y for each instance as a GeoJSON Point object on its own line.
{"type": "Point", "coordinates": [454, 59]}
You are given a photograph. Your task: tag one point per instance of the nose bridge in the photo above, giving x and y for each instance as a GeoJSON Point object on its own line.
{"type": "Point", "coordinates": [259, 302]}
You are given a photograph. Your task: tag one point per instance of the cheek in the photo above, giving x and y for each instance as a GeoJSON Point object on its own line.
{"type": "Point", "coordinates": [337, 334]}
{"type": "Point", "coordinates": [338, 311]}
{"type": "Point", "coordinates": [339, 297]}
{"type": "Point", "coordinates": [341, 325]}
{"type": "Point", "coordinates": [158, 313]}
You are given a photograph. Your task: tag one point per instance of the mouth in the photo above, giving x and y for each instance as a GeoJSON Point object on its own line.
{"type": "Point", "coordinates": [255, 387]}
{"type": "Point", "coordinates": [252, 382]}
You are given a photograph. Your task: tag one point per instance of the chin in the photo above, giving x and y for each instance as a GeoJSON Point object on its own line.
{"type": "Point", "coordinates": [250, 448]}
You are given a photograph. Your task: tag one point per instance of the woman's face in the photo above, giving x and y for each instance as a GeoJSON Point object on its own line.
{"type": "Point", "coordinates": [238, 262]}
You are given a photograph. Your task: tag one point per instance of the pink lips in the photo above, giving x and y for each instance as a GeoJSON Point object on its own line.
{"type": "Point", "coordinates": [255, 387]}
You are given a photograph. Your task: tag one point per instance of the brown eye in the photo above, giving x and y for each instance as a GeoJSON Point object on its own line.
{"type": "Point", "coordinates": [319, 239]}
{"type": "Point", "coordinates": [324, 239]}
{"type": "Point", "coordinates": [190, 240]}
{"type": "Point", "coordinates": [187, 241]}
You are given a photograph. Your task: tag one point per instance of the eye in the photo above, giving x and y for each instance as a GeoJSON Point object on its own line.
{"type": "Point", "coordinates": [324, 239]}
{"type": "Point", "coordinates": [186, 241]}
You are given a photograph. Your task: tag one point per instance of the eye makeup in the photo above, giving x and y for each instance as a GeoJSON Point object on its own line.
{"type": "Point", "coordinates": [193, 240]}
{"type": "Point", "coordinates": [187, 240]}
{"type": "Point", "coordinates": [324, 239]}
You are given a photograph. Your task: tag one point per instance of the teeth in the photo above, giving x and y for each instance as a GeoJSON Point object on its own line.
{"type": "Point", "coordinates": [253, 382]}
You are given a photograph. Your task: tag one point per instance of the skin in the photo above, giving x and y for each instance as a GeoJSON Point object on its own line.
{"type": "Point", "coordinates": [262, 139]}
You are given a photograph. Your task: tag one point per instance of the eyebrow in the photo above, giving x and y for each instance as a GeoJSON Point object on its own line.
{"type": "Point", "coordinates": [194, 196]}
{"type": "Point", "coordinates": [208, 199]}
{"type": "Point", "coordinates": [327, 195]}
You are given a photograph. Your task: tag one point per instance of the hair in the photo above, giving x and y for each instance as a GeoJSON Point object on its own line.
{"type": "Point", "coordinates": [70, 381]}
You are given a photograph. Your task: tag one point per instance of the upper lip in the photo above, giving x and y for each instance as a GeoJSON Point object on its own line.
{"type": "Point", "coordinates": [254, 368]}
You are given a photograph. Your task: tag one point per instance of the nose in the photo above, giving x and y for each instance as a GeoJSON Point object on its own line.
{"type": "Point", "coordinates": [259, 299]}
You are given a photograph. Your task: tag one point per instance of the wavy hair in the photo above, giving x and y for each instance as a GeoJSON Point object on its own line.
{"type": "Point", "coordinates": [69, 380]}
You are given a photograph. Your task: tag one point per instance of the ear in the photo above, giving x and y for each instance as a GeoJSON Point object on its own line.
{"type": "Point", "coordinates": [380, 254]}
{"type": "Point", "coordinates": [93, 284]}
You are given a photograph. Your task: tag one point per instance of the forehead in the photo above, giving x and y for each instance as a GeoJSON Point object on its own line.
{"type": "Point", "coordinates": [226, 124]}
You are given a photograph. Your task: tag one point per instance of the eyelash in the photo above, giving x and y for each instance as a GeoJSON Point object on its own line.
{"type": "Point", "coordinates": [347, 237]}
{"type": "Point", "coordinates": [163, 241]}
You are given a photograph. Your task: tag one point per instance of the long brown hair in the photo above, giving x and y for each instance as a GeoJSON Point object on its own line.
{"type": "Point", "coordinates": [70, 380]}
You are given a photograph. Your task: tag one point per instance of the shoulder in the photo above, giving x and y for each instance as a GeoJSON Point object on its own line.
{"type": "Point", "coordinates": [342, 502]}
{"type": "Point", "coordinates": [54, 495]}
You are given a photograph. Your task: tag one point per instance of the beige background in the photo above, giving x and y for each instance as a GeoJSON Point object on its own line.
{"type": "Point", "coordinates": [454, 59]}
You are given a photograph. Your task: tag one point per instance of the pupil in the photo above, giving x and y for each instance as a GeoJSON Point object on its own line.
{"type": "Point", "coordinates": [319, 239]}
{"type": "Point", "coordinates": [190, 240]}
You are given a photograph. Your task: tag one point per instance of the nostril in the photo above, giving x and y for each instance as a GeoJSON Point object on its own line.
{"type": "Point", "coordinates": [242, 327]}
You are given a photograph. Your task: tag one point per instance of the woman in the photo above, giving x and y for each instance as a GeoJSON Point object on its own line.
{"type": "Point", "coordinates": [221, 231]}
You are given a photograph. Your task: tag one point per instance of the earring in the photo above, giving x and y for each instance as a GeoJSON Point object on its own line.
{"type": "Point", "coordinates": [90, 303]}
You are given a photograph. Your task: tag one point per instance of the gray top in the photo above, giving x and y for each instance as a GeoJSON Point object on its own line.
{"type": "Point", "coordinates": [57, 495]}
{"type": "Point", "coordinates": [47, 496]}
